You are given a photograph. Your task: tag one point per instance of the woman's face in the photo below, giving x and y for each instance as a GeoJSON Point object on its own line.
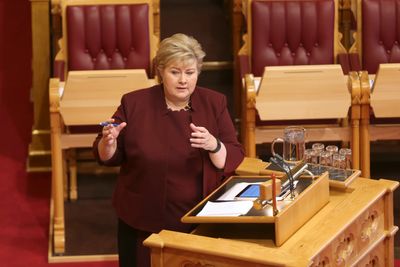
{"type": "Point", "coordinates": [179, 79]}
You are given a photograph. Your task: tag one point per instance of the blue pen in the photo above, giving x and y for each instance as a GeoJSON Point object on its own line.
{"type": "Point", "coordinates": [106, 123]}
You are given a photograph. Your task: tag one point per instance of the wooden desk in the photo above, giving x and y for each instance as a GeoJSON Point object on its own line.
{"type": "Point", "coordinates": [88, 98]}
{"type": "Point", "coordinates": [354, 229]}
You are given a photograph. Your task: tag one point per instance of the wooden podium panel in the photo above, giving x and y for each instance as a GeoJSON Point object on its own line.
{"type": "Point", "coordinates": [310, 197]}
{"type": "Point", "coordinates": [97, 94]}
{"type": "Point", "coordinates": [385, 96]}
{"type": "Point", "coordinates": [354, 228]}
{"type": "Point", "coordinates": [303, 92]}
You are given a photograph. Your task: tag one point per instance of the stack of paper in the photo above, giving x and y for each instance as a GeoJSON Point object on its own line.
{"type": "Point", "coordinates": [226, 208]}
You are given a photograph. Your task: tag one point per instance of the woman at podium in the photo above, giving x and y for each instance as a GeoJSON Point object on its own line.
{"type": "Point", "coordinates": [175, 142]}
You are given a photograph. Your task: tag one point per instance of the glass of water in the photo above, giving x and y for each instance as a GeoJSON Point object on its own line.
{"type": "Point", "coordinates": [348, 156]}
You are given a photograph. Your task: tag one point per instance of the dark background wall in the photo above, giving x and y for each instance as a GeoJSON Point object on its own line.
{"type": "Point", "coordinates": [16, 111]}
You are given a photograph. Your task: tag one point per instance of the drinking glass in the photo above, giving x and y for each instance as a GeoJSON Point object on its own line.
{"type": "Point", "coordinates": [339, 161]}
{"type": "Point", "coordinates": [325, 158]}
{"type": "Point", "coordinates": [311, 156]}
{"type": "Point", "coordinates": [318, 148]}
{"type": "Point", "coordinates": [347, 154]}
{"type": "Point", "coordinates": [332, 149]}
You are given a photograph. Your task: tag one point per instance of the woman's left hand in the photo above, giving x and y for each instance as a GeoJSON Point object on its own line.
{"type": "Point", "coordinates": [201, 138]}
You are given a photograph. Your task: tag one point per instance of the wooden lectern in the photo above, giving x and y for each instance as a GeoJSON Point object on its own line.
{"type": "Point", "coordinates": [354, 229]}
{"type": "Point", "coordinates": [88, 98]}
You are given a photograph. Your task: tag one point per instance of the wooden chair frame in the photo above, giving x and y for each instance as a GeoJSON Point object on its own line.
{"type": "Point", "coordinates": [342, 131]}
{"type": "Point", "coordinates": [63, 144]}
{"type": "Point", "coordinates": [368, 132]}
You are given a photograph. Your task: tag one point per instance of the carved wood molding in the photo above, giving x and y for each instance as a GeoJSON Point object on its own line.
{"type": "Point", "coordinates": [56, 7]}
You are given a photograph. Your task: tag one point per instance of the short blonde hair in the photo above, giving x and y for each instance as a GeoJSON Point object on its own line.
{"type": "Point", "coordinates": [179, 47]}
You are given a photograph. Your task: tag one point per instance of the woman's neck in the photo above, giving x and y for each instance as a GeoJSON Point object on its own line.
{"type": "Point", "coordinates": [177, 105]}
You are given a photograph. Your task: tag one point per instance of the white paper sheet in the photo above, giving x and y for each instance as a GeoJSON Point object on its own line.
{"type": "Point", "coordinates": [226, 208]}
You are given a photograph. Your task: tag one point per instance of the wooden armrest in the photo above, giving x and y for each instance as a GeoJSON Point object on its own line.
{"type": "Point", "coordinates": [249, 115]}
{"type": "Point", "coordinates": [59, 63]}
{"type": "Point", "coordinates": [54, 95]}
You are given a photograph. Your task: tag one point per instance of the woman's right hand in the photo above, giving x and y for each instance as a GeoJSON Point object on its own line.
{"type": "Point", "coordinates": [108, 143]}
{"type": "Point", "coordinates": [110, 132]}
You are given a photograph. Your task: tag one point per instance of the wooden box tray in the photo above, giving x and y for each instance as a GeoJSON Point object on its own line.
{"type": "Point", "coordinates": [310, 196]}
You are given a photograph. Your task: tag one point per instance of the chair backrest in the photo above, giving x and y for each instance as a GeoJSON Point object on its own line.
{"type": "Point", "coordinates": [288, 32]}
{"type": "Point", "coordinates": [101, 34]}
{"type": "Point", "coordinates": [378, 33]}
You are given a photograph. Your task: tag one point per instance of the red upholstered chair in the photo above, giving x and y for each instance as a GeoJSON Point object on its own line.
{"type": "Point", "coordinates": [378, 34]}
{"type": "Point", "coordinates": [99, 38]}
{"type": "Point", "coordinates": [377, 41]}
{"type": "Point", "coordinates": [286, 33]}
{"type": "Point", "coordinates": [105, 35]}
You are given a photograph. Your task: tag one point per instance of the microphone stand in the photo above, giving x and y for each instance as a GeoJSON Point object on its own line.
{"type": "Point", "coordinates": [278, 161]}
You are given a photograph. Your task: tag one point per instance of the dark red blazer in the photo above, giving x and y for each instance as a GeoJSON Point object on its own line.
{"type": "Point", "coordinates": [139, 196]}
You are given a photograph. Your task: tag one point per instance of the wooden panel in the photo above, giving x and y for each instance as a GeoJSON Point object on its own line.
{"type": "Point", "coordinates": [205, 250]}
{"type": "Point", "coordinates": [77, 140]}
{"type": "Point", "coordinates": [97, 94]}
{"type": "Point", "coordinates": [302, 209]}
{"type": "Point", "coordinates": [39, 148]}
{"type": "Point", "coordinates": [321, 133]}
{"type": "Point", "coordinates": [303, 92]}
{"type": "Point", "coordinates": [385, 98]}
{"type": "Point", "coordinates": [374, 257]}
